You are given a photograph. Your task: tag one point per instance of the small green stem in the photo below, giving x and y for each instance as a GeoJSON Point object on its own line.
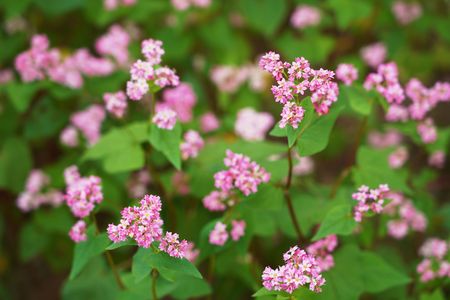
{"type": "Point", "coordinates": [154, 277]}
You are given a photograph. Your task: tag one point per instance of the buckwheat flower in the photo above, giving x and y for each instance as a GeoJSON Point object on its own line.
{"type": "Point", "coordinates": [142, 70]}
{"type": "Point", "coordinates": [89, 122]}
{"type": "Point", "coordinates": [434, 247]}
{"type": "Point", "coordinates": [172, 246]}
{"type": "Point", "coordinates": [181, 4]}
{"type": "Point", "coordinates": [271, 63]}
{"type": "Point", "coordinates": [291, 114]}
{"type": "Point", "coordinates": [406, 13]}
{"type": "Point", "coordinates": [219, 235]}
{"type": "Point", "coordinates": [397, 113]}
{"type": "Point", "coordinates": [386, 82]}
{"type": "Point", "coordinates": [182, 100]}
{"type": "Point", "coordinates": [116, 103]}
{"type": "Point", "coordinates": [27, 201]}
{"type": "Point", "coordinates": [114, 43]}
{"type": "Point", "coordinates": [82, 195]}
{"type": "Point", "coordinates": [165, 76]}
{"type": "Point", "coordinates": [434, 265]}
{"type": "Point", "coordinates": [71, 175]}
{"type": "Point", "coordinates": [191, 145]}
{"type": "Point", "coordinates": [78, 232]}
{"type": "Point", "coordinates": [113, 4]}
{"type": "Point", "coordinates": [142, 223]}
{"type": "Point", "coordinates": [300, 269]}
{"type": "Point", "coordinates": [191, 252]}
{"type": "Point", "coordinates": [216, 201]}
{"type": "Point", "coordinates": [37, 179]}
{"type": "Point", "coordinates": [252, 125]}
{"type": "Point", "coordinates": [437, 159]}
{"type": "Point", "coordinates": [136, 89]}
{"type": "Point", "coordinates": [369, 200]}
{"type": "Point", "coordinates": [427, 131]}
{"type": "Point", "coordinates": [304, 165]}
{"type": "Point", "coordinates": [322, 250]}
{"type": "Point", "coordinates": [228, 78]}
{"type": "Point", "coordinates": [152, 50]}
{"type": "Point", "coordinates": [383, 140]}
{"type": "Point", "coordinates": [374, 54]}
{"type": "Point", "coordinates": [138, 182]}
{"type": "Point", "coordinates": [441, 91]}
{"type": "Point", "coordinates": [209, 122]}
{"type": "Point", "coordinates": [398, 158]}
{"type": "Point", "coordinates": [180, 182]}
{"type": "Point", "coordinates": [201, 3]}
{"type": "Point", "coordinates": [165, 119]}
{"type": "Point", "coordinates": [305, 16]}
{"type": "Point", "coordinates": [397, 228]}
{"type": "Point", "coordinates": [347, 73]}
{"type": "Point", "coordinates": [237, 229]}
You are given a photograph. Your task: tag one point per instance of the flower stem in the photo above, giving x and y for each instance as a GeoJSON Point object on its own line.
{"type": "Point", "coordinates": [154, 277]}
{"type": "Point", "coordinates": [288, 198]}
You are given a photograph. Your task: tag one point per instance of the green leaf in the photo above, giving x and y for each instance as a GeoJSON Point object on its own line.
{"type": "Point", "coordinates": [32, 241]}
{"type": "Point", "coordinates": [21, 94]}
{"type": "Point", "coordinates": [314, 135]}
{"type": "Point", "coordinates": [128, 242]}
{"type": "Point", "coordinates": [57, 7]}
{"type": "Point", "coordinates": [339, 220]}
{"type": "Point", "coordinates": [15, 164]}
{"type": "Point", "coordinates": [168, 142]}
{"type": "Point", "coordinates": [169, 267]}
{"type": "Point", "coordinates": [436, 295]}
{"type": "Point", "coordinates": [360, 100]}
{"type": "Point", "coordinates": [85, 251]}
{"type": "Point", "coordinates": [348, 11]}
{"type": "Point", "coordinates": [264, 16]}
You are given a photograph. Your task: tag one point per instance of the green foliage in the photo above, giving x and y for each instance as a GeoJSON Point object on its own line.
{"type": "Point", "coordinates": [15, 164]}
{"type": "Point", "coordinates": [264, 16]}
{"type": "Point", "coordinates": [168, 142]}
{"type": "Point", "coordinates": [339, 220]}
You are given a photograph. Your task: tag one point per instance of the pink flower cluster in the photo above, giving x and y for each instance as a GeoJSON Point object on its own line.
{"type": "Point", "coordinates": [209, 122]}
{"type": "Point", "coordinates": [82, 193]}
{"type": "Point", "coordinates": [374, 54]}
{"type": "Point", "coordinates": [115, 44]}
{"type": "Point", "coordinates": [180, 182]}
{"type": "Point", "coordinates": [322, 250]}
{"type": "Point", "coordinates": [143, 223]}
{"type": "Point", "coordinates": [219, 235]}
{"type": "Point", "coordinates": [406, 13]}
{"type": "Point", "coordinates": [191, 252]}
{"type": "Point", "coordinates": [384, 140]}
{"type": "Point", "coordinates": [369, 200]}
{"type": "Point", "coordinates": [78, 232]}
{"type": "Point", "coordinates": [149, 70]}
{"type": "Point", "coordinates": [398, 158]}
{"type": "Point", "coordinates": [304, 165]}
{"type": "Point", "coordinates": [116, 103]}
{"type": "Point", "coordinates": [34, 196]}
{"type": "Point", "coordinates": [41, 62]}
{"type": "Point", "coordinates": [296, 79]}
{"type": "Point", "coordinates": [406, 216]}
{"type": "Point", "coordinates": [185, 4]}
{"type": "Point", "coordinates": [191, 145]}
{"type": "Point", "coordinates": [386, 82]}
{"type": "Point", "coordinates": [300, 269]}
{"type": "Point", "coordinates": [427, 131]}
{"type": "Point", "coordinates": [113, 4]}
{"type": "Point", "coordinates": [180, 99]}
{"type": "Point", "coordinates": [229, 79]}
{"type": "Point", "coordinates": [437, 159]}
{"type": "Point", "coordinates": [137, 183]}
{"type": "Point", "coordinates": [435, 263]}
{"type": "Point", "coordinates": [305, 16]}
{"type": "Point", "coordinates": [88, 121]}
{"type": "Point", "coordinates": [252, 125]}
{"type": "Point", "coordinates": [347, 73]}
{"type": "Point", "coordinates": [165, 118]}
{"type": "Point", "coordinates": [425, 99]}
{"type": "Point", "coordinates": [242, 174]}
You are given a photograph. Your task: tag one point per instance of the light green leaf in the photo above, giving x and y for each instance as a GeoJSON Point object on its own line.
{"type": "Point", "coordinates": [338, 220]}
{"type": "Point", "coordinates": [264, 16]}
{"type": "Point", "coordinates": [360, 100]}
{"type": "Point", "coordinates": [348, 11]}
{"type": "Point", "coordinates": [21, 94]}
{"type": "Point", "coordinates": [168, 142]}
{"type": "Point", "coordinates": [128, 242]}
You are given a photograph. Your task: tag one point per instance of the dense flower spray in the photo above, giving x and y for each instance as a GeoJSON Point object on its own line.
{"type": "Point", "coordinates": [115, 44]}
{"type": "Point", "coordinates": [386, 82]}
{"type": "Point", "coordinates": [369, 200]}
{"type": "Point", "coordinates": [436, 261]}
{"type": "Point", "coordinates": [305, 16]}
{"type": "Point", "coordinates": [209, 122]}
{"type": "Point", "coordinates": [252, 125]}
{"type": "Point", "coordinates": [347, 73]}
{"type": "Point", "coordinates": [322, 250]}
{"type": "Point", "coordinates": [191, 145]}
{"type": "Point", "coordinates": [398, 158]}
{"type": "Point", "coordinates": [300, 269]}
{"type": "Point", "coordinates": [374, 54]}
{"type": "Point", "coordinates": [116, 103]}
{"type": "Point", "coordinates": [296, 80]}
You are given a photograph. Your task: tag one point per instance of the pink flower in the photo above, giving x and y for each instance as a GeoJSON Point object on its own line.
{"type": "Point", "coordinates": [172, 246]}
{"type": "Point", "coordinates": [406, 13]}
{"type": "Point", "coordinates": [238, 229]}
{"type": "Point", "coordinates": [152, 50]}
{"type": "Point", "coordinates": [322, 250]}
{"type": "Point", "coordinates": [6, 75]}
{"type": "Point", "coordinates": [437, 159]}
{"type": "Point", "coordinates": [78, 232]}
{"type": "Point", "coordinates": [71, 175]}
{"type": "Point", "coordinates": [116, 103]}
{"type": "Point", "coordinates": [209, 122]}
{"type": "Point", "coordinates": [113, 4]}
{"type": "Point", "coordinates": [137, 183]}
{"type": "Point", "coordinates": [374, 54]}
{"type": "Point", "coordinates": [397, 228]}
{"type": "Point", "coordinates": [191, 145]}
{"type": "Point", "coordinates": [219, 235]}
{"type": "Point", "coordinates": [191, 252]}
{"type": "Point", "coordinates": [136, 89]}
{"type": "Point", "coordinates": [434, 265]}
{"type": "Point", "coordinates": [300, 269]}
{"type": "Point", "coordinates": [304, 166]}
{"type": "Point", "coordinates": [397, 113]}
{"type": "Point", "coordinates": [216, 201]}
{"type": "Point", "coordinates": [427, 131]}
{"type": "Point", "coordinates": [142, 70]}
{"type": "Point", "coordinates": [347, 73]}
{"type": "Point", "coordinates": [180, 182]}
{"type": "Point", "coordinates": [166, 77]}
{"type": "Point", "coordinates": [165, 119]}
{"type": "Point", "coordinates": [386, 82]}
{"type": "Point", "coordinates": [182, 100]}
{"type": "Point", "coordinates": [82, 194]}
{"type": "Point", "coordinates": [114, 43]}
{"type": "Point", "coordinates": [369, 200]}
{"type": "Point", "coordinates": [305, 16]}
{"type": "Point", "coordinates": [434, 247]}
{"type": "Point", "coordinates": [228, 78]}
{"type": "Point", "coordinates": [292, 114]}
{"type": "Point", "coordinates": [251, 125]}
{"type": "Point", "coordinates": [69, 136]}
{"type": "Point", "coordinates": [383, 140]}
{"type": "Point", "coordinates": [398, 158]}
{"type": "Point", "coordinates": [37, 179]}
{"type": "Point", "coordinates": [89, 122]}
